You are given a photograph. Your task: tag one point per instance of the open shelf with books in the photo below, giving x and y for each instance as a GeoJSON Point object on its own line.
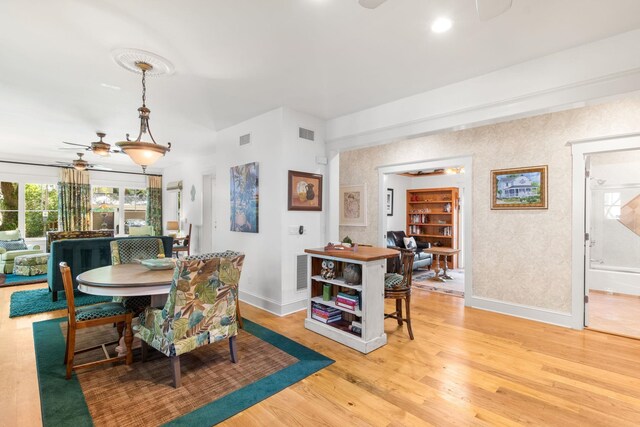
{"type": "Point", "coordinates": [349, 312]}
{"type": "Point", "coordinates": [432, 217]}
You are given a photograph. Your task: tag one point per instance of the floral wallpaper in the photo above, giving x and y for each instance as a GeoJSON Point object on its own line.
{"type": "Point", "coordinates": [519, 256]}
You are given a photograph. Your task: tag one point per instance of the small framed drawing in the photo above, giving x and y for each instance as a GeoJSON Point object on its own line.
{"type": "Point", "coordinates": [519, 188]}
{"type": "Point", "coordinates": [389, 202]}
{"type": "Point", "coordinates": [353, 205]}
{"type": "Point", "coordinates": [305, 191]}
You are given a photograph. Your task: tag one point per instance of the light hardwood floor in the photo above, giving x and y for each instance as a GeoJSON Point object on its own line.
{"type": "Point", "coordinates": [615, 313]}
{"type": "Point", "coordinates": [465, 367]}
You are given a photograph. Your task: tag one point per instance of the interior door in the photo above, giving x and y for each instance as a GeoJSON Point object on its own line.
{"type": "Point", "coordinates": [588, 243]}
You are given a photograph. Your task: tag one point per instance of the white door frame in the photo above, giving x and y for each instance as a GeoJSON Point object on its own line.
{"type": "Point", "coordinates": [579, 150]}
{"type": "Point", "coordinates": [467, 163]}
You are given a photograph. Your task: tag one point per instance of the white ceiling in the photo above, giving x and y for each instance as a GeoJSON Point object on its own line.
{"type": "Point", "coordinates": [235, 59]}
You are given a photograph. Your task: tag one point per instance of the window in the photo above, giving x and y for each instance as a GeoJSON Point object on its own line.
{"type": "Point", "coordinates": [8, 205]}
{"type": "Point", "coordinates": [612, 205]}
{"type": "Point", "coordinates": [41, 209]}
{"type": "Point", "coordinates": [135, 208]}
{"type": "Point", "coordinates": [105, 203]}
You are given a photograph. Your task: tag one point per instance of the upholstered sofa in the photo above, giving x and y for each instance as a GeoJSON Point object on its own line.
{"type": "Point", "coordinates": [52, 236]}
{"type": "Point", "coordinates": [8, 255]}
{"type": "Point", "coordinates": [85, 254]}
{"type": "Point", "coordinates": [395, 240]}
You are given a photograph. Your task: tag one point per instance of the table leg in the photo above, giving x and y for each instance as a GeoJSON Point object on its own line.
{"type": "Point", "coordinates": [438, 269]}
{"type": "Point", "coordinates": [445, 276]}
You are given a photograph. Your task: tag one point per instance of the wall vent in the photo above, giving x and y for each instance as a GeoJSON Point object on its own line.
{"type": "Point", "coordinates": [301, 272]}
{"type": "Point", "coordinates": [245, 139]}
{"type": "Point", "coordinates": [306, 134]}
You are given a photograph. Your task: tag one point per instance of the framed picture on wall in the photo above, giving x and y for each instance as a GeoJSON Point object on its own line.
{"type": "Point", "coordinates": [519, 188]}
{"type": "Point", "coordinates": [305, 191]}
{"type": "Point", "coordinates": [353, 205]}
{"type": "Point", "coordinates": [244, 195]}
{"type": "Point", "coordinates": [389, 202]}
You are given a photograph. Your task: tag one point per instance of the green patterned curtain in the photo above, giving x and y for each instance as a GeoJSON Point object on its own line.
{"type": "Point", "coordinates": [74, 200]}
{"type": "Point", "coordinates": [154, 204]}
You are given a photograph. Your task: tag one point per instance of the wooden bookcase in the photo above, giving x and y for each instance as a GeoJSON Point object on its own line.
{"type": "Point", "coordinates": [370, 313]}
{"type": "Point", "coordinates": [432, 216]}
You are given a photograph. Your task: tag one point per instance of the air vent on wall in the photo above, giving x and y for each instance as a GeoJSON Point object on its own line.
{"type": "Point", "coordinates": [301, 273]}
{"type": "Point", "coordinates": [245, 139]}
{"type": "Point", "coordinates": [306, 134]}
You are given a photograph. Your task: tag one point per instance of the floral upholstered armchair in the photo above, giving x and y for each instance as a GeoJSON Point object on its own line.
{"type": "Point", "coordinates": [200, 310]}
{"type": "Point", "coordinates": [127, 251]}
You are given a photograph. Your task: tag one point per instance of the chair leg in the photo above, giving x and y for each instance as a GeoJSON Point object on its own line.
{"type": "Point", "coordinates": [128, 338]}
{"type": "Point", "coordinates": [54, 296]}
{"type": "Point", "coordinates": [399, 311]}
{"type": "Point", "coordinates": [238, 315]}
{"type": "Point", "coordinates": [408, 318]}
{"type": "Point", "coordinates": [71, 346]}
{"type": "Point", "coordinates": [145, 350]}
{"type": "Point", "coordinates": [233, 349]}
{"type": "Point", "coordinates": [66, 348]}
{"type": "Point", "coordinates": [174, 361]}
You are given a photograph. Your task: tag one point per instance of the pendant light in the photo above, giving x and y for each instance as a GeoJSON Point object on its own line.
{"type": "Point", "coordinates": [143, 153]}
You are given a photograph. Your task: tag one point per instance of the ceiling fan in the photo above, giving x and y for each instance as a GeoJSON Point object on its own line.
{"type": "Point", "coordinates": [487, 9]}
{"type": "Point", "coordinates": [81, 164]}
{"type": "Point", "coordinates": [100, 148]}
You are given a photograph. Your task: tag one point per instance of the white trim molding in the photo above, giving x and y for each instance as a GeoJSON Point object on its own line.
{"type": "Point", "coordinates": [271, 305]}
{"type": "Point", "coordinates": [526, 312]}
{"type": "Point", "coordinates": [579, 150]}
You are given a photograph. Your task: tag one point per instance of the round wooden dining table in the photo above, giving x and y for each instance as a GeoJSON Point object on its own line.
{"type": "Point", "coordinates": [125, 280]}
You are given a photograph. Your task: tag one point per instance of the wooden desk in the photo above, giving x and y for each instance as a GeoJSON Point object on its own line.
{"type": "Point", "coordinates": [438, 252]}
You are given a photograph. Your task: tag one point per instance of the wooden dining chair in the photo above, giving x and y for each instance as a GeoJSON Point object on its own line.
{"type": "Point", "coordinates": [93, 315]}
{"type": "Point", "coordinates": [185, 246]}
{"type": "Point", "coordinates": [398, 286]}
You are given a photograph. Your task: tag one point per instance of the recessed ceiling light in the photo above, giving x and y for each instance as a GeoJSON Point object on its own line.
{"type": "Point", "coordinates": [441, 25]}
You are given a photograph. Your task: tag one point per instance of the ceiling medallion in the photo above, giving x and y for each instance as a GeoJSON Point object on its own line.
{"type": "Point", "coordinates": [143, 153]}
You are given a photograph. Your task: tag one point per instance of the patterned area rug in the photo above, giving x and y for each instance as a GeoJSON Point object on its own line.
{"type": "Point", "coordinates": [423, 280]}
{"type": "Point", "coordinates": [15, 280]}
{"type": "Point", "coordinates": [213, 388]}
{"type": "Point", "coordinates": [39, 301]}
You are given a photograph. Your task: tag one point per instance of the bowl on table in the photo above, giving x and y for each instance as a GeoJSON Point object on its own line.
{"type": "Point", "coordinates": [158, 263]}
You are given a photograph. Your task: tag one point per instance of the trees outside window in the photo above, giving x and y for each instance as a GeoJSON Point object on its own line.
{"type": "Point", "coordinates": [8, 206]}
{"type": "Point", "coordinates": [41, 209]}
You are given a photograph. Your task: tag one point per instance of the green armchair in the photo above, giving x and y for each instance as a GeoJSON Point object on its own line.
{"type": "Point", "coordinates": [12, 245]}
{"type": "Point", "coordinates": [200, 310]}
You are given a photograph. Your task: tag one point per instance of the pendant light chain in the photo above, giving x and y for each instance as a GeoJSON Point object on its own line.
{"type": "Point", "coordinates": [144, 88]}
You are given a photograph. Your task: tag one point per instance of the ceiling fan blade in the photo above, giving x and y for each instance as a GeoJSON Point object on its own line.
{"type": "Point", "coordinates": [99, 168]}
{"type": "Point", "coordinates": [79, 145]}
{"type": "Point", "coordinates": [371, 4]}
{"type": "Point", "coordinates": [489, 9]}
{"type": "Point", "coordinates": [67, 149]}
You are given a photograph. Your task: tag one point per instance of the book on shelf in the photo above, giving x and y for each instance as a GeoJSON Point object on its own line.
{"type": "Point", "coordinates": [325, 320]}
{"type": "Point", "coordinates": [344, 305]}
{"type": "Point", "coordinates": [357, 324]}
{"type": "Point", "coordinates": [355, 329]}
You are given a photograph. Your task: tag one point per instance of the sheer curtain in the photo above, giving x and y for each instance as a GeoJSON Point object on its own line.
{"type": "Point", "coordinates": [154, 204]}
{"type": "Point", "coordinates": [74, 200]}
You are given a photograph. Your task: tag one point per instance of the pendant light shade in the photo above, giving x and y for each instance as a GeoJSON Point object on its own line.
{"type": "Point", "coordinates": [143, 153]}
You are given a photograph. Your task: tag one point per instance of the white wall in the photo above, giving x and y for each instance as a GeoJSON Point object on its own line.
{"type": "Point", "coordinates": [268, 277]}
{"type": "Point", "coordinates": [399, 183]}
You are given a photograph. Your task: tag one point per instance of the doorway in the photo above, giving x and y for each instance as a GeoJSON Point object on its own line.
{"type": "Point", "coordinates": [430, 201]}
{"type": "Point", "coordinates": [612, 249]}
{"type": "Point", "coordinates": [208, 213]}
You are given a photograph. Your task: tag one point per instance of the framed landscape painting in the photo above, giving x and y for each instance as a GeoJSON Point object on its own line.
{"type": "Point", "coordinates": [244, 198]}
{"type": "Point", "coordinates": [353, 205]}
{"type": "Point", "coordinates": [519, 188]}
{"type": "Point", "coordinates": [305, 191]}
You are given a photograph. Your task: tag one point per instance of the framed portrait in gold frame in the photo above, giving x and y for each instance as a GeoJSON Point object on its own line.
{"type": "Point", "coordinates": [519, 188]}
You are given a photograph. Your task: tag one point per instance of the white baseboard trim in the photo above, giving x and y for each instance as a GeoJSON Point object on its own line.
{"type": "Point", "coordinates": [272, 306]}
{"type": "Point", "coordinates": [526, 312]}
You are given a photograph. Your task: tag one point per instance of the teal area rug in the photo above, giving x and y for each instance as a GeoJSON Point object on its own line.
{"type": "Point", "coordinates": [16, 280]}
{"type": "Point", "coordinates": [39, 301]}
{"type": "Point", "coordinates": [63, 402]}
